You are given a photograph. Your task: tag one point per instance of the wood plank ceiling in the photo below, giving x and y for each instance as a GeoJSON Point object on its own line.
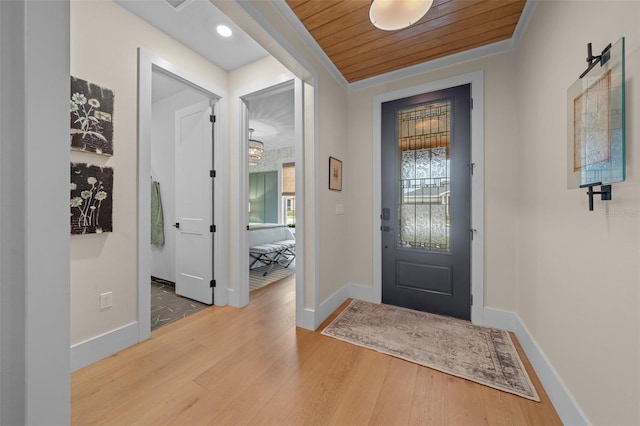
{"type": "Point", "coordinates": [360, 50]}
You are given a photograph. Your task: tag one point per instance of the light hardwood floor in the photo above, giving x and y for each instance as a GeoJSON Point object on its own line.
{"type": "Point", "coordinates": [228, 366]}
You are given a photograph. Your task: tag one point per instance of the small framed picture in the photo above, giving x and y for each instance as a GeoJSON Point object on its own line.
{"type": "Point", "coordinates": [335, 174]}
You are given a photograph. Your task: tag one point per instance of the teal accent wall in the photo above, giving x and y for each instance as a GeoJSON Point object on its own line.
{"type": "Point", "coordinates": [263, 197]}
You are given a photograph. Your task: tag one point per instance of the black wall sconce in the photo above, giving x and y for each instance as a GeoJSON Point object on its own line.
{"type": "Point", "coordinates": [596, 124]}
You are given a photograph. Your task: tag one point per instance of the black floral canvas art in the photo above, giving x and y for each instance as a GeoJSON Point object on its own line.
{"type": "Point", "coordinates": [91, 117]}
{"type": "Point", "coordinates": [91, 199]}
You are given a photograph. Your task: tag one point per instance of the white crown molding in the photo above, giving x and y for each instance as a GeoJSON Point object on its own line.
{"type": "Point", "coordinates": [525, 17]}
{"type": "Point", "coordinates": [179, 7]}
{"type": "Point", "coordinates": [458, 58]}
{"type": "Point", "coordinates": [311, 43]}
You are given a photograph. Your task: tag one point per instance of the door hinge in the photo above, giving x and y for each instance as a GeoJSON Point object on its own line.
{"type": "Point", "coordinates": [212, 283]}
{"type": "Point", "coordinates": [212, 173]}
{"type": "Point", "coordinates": [212, 118]}
{"type": "Point", "coordinates": [472, 231]}
{"type": "Point", "coordinates": [212, 228]}
{"type": "Point", "coordinates": [471, 167]}
{"type": "Point", "coordinates": [472, 300]}
{"type": "Point", "coordinates": [471, 103]}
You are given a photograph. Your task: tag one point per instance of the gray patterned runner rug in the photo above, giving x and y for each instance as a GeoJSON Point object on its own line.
{"type": "Point", "coordinates": [480, 354]}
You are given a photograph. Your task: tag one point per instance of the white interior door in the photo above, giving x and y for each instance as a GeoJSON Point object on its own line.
{"type": "Point", "coordinates": [194, 203]}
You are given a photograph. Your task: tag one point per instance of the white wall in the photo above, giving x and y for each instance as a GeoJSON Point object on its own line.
{"type": "Point", "coordinates": [333, 230]}
{"type": "Point", "coordinates": [578, 274]}
{"type": "Point", "coordinates": [163, 150]}
{"type": "Point", "coordinates": [34, 213]}
{"type": "Point", "coordinates": [104, 43]}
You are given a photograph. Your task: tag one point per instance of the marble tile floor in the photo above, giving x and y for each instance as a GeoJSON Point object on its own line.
{"type": "Point", "coordinates": [167, 307]}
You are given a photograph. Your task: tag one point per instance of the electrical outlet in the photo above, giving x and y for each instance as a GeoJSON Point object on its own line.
{"type": "Point", "coordinates": [106, 300]}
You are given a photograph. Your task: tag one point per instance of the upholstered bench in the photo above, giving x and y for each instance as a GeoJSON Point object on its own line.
{"type": "Point", "coordinates": [270, 245]}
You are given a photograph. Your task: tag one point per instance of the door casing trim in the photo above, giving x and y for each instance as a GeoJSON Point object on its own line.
{"type": "Point", "coordinates": [476, 79]}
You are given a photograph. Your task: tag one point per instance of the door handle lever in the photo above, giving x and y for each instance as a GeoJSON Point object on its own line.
{"type": "Point", "coordinates": [177, 225]}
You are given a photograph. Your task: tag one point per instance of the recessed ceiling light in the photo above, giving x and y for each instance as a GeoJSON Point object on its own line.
{"type": "Point", "coordinates": [224, 31]}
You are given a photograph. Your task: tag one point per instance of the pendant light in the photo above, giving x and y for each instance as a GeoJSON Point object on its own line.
{"type": "Point", "coordinates": [256, 148]}
{"type": "Point", "coordinates": [392, 15]}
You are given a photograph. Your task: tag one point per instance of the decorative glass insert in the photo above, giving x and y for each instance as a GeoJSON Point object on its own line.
{"type": "Point", "coordinates": [596, 123]}
{"type": "Point", "coordinates": [424, 175]}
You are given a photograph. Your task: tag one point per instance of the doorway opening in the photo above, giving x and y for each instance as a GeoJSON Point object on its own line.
{"type": "Point", "coordinates": [181, 200]}
{"type": "Point", "coordinates": [271, 180]}
{"type": "Point", "coordinates": [271, 184]}
{"type": "Point", "coordinates": [179, 154]}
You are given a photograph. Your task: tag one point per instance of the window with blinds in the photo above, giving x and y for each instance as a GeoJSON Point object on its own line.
{"type": "Point", "coordinates": [288, 179]}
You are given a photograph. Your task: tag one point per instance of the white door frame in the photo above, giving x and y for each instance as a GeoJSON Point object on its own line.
{"type": "Point", "coordinates": [476, 79]}
{"type": "Point", "coordinates": [303, 318]}
{"type": "Point", "coordinates": [147, 63]}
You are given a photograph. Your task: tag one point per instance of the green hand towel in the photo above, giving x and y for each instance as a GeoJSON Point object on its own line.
{"type": "Point", "coordinates": [157, 220]}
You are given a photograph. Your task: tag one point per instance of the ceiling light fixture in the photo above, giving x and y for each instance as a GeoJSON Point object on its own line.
{"type": "Point", "coordinates": [256, 148]}
{"type": "Point", "coordinates": [392, 15]}
{"type": "Point", "coordinates": [224, 31]}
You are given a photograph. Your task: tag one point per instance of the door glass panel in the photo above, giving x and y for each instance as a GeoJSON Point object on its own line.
{"type": "Point", "coordinates": [424, 177]}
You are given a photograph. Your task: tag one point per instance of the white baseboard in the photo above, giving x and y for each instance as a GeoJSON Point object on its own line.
{"type": "Point", "coordinates": [361, 292]}
{"type": "Point", "coordinates": [233, 298]}
{"type": "Point", "coordinates": [100, 347]}
{"type": "Point", "coordinates": [220, 296]}
{"type": "Point", "coordinates": [307, 320]}
{"type": "Point", "coordinates": [348, 291]}
{"type": "Point", "coordinates": [568, 409]}
{"type": "Point", "coordinates": [327, 307]}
